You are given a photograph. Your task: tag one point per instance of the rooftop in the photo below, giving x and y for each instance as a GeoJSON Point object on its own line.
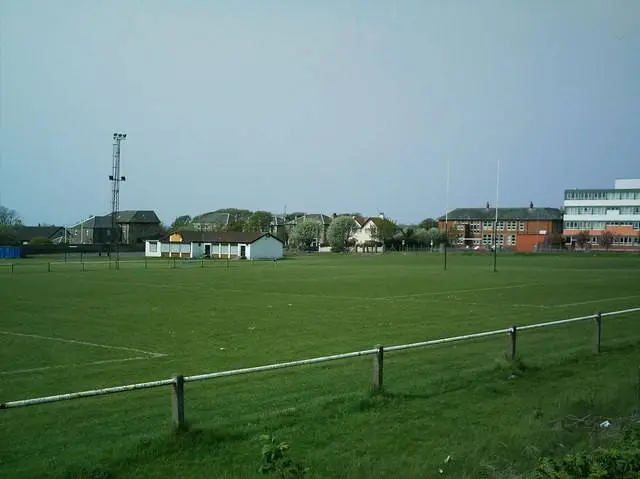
{"type": "Point", "coordinates": [461, 214]}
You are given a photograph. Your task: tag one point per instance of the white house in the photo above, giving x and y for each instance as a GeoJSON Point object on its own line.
{"type": "Point", "coordinates": [229, 244]}
{"type": "Point", "coordinates": [363, 234]}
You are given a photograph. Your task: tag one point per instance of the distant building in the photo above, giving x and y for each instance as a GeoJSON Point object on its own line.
{"type": "Point", "coordinates": [595, 211]}
{"type": "Point", "coordinates": [521, 229]}
{"type": "Point", "coordinates": [215, 220]}
{"type": "Point", "coordinates": [211, 244]}
{"type": "Point", "coordinates": [134, 226]}
{"type": "Point", "coordinates": [54, 234]}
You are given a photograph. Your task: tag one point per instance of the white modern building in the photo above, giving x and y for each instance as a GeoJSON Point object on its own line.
{"type": "Point", "coordinates": [615, 210]}
{"type": "Point", "coordinates": [231, 244]}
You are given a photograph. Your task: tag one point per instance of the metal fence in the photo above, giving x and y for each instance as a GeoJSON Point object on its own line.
{"type": "Point", "coordinates": [99, 265]}
{"type": "Point", "coordinates": [378, 352]}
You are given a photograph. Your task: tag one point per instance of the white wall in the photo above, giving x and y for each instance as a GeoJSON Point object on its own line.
{"type": "Point", "coordinates": [266, 247]}
{"type": "Point", "coordinates": [148, 246]}
{"type": "Point", "coordinates": [363, 234]}
{"type": "Point", "coordinates": [604, 203]}
{"type": "Point", "coordinates": [627, 184]}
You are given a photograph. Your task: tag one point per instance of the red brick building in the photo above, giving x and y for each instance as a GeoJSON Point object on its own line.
{"type": "Point", "coordinates": [521, 229]}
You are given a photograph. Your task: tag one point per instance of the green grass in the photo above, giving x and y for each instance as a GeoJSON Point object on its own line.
{"type": "Point", "coordinates": [462, 400]}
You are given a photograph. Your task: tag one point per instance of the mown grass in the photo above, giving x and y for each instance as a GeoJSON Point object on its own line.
{"type": "Point", "coordinates": [462, 400]}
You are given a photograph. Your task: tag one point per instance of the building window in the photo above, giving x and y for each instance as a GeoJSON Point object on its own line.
{"type": "Point", "coordinates": [521, 226]}
{"type": "Point", "coordinates": [511, 240]}
{"type": "Point", "coordinates": [487, 225]}
{"type": "Point", "coordinates": [512, 225]}
{"type": "Point", "coordinates": [500, 240]}
{"type": "Point", "coordinates": [487, 239]}
{"type": "Point", "coordinates": [475, 227]}
{"type": "Point", "coordinates": [153, 246]}
{"type": "Point", "coordinates": [500, 225]}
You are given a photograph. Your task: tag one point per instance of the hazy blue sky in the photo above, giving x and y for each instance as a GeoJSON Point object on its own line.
{"type": "Point", "coordinates": [321, 106]}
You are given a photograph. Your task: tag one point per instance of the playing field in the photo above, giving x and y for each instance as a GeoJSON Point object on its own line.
{"type": "Point", "coordinates": [69, 330]}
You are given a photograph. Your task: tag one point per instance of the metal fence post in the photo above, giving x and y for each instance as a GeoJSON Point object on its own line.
{"type": "Point", "coordinates": [48, 267]}
{"type": "Point", "coordinates": [12, 267]}
{"type": "Point", "coordinates": [378, 366]}
{"type": "Point", "coordinates": [513, 339]}
{"type": "Point", "coordinates": [177, 402]}
{"type": "Point", "coordinates": [598, 318]}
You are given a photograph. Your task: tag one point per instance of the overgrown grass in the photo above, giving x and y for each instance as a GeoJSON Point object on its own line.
{"type": "Point", "coordinates": [465, 401]}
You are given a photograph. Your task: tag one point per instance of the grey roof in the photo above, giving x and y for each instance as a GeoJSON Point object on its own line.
{"type": "Point", "coordinates": [27, 233]}
{"type": "Point", "coordinates": [123, 217]}
{"type": "Point", "coordinates": [136, 216]}
{"type": "Point", "coordinates": [213, 217]}
{"type": "Point", "coordinates": [467, 214]}
{"type": "Point", "coordinates": [232, 237]}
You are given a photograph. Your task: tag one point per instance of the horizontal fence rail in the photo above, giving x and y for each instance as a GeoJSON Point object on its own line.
{"type": "Point", "coordinates": [377, 352]}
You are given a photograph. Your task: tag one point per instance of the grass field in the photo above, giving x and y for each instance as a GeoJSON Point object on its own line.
{"type": "Point", "coordinates": [67, 331]}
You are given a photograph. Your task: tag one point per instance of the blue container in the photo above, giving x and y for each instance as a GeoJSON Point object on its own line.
{"type": "Point", "coordinates": [10, 252]}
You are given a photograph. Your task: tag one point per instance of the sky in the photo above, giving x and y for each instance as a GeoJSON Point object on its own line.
{"type": "Point", "coordinates": [325, 106]}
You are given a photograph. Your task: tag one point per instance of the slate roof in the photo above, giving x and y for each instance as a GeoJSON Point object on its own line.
{"type": "Point", "coordinates": [27, 233]}
{"type": "Point", "coordinates": [123, 217]}
{"type": "Point", "coordinates": [532, 214]}
{"type": "Point", "coordinates": [232, 237]}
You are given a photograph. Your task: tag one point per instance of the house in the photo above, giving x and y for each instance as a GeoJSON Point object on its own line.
{"type": "Point", "coordinates": [522, 229]}
{"type": "Point", "coordinates": [226, 244]}
{"type": "Point", "coordinates": [217, 220]}
{"type": "Point", "coordinates": [134, 226]}
{"type": "Point", "coordinates": [363, 235]}
{"type": "Point", "coordinates": [54, 234]}
{"type": "Point", "coordinates": [616, 210]}
{"type": "Point", "coordinates": [281, 225]}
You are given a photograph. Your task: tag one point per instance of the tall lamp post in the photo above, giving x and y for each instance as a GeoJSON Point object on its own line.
{"type": "Point", "coordinates": [115, 178]}
{"type": "Point", "coordinates": [495, 223]}
{"type": "Point", "coordinates": [446, 214]}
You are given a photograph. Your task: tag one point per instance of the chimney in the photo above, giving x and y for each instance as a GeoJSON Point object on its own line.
{"type": "Point", "coordinates": [334, 215]}
{"type": "Point", "coordinates": [487, 205]}
{"type": "Point", "coordinates": [530, 205]}
{"type": "Point", "coordinates": [381, 215]}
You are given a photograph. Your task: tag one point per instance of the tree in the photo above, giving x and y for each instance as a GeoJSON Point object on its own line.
{"type": "Point", "coordinates": [339, 232]}
{"type": "Point", "coordinates": [8, 236]}
{"type": "Point", "coordinates": [236, 225]}
{"type": "Point", "coordinates": [606, 239]}
{"type": "Point", "coordinates": [428, 223]}
{"type": "Point", "coordinates": [437, 236]}
{"type": "Point", "coordinates": [421, 237]}
{"type": "Point", "coordinates": [582, 239]}
{"type": "Point", "coordinates": [305, 233]}
{"type": "Point", "coordinates": [259, 221]}
{"type": "Point", "coordinates": [383, 231]}
{"type": "Point", "coordinates": [181, 222]}
{"type": "Point", "coordinates": [9, 217]}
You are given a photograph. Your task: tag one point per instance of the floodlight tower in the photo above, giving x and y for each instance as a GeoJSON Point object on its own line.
{"type": "Point", "coordinates": [115, 179]}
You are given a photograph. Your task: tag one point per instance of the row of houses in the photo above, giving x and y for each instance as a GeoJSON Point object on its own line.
{"type": "Point", "coordinates": [588, 212]}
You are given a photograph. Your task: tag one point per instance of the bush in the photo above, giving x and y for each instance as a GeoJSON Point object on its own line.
{"type": "Point", "coordinates": [622, 460]}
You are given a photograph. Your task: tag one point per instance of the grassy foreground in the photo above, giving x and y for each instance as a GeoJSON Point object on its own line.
{"type": "Point", "coordinates": [462, 401]}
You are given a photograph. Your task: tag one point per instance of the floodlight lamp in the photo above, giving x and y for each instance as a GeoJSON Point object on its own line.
{"type": "Point", "coordinates": [124, 136]}
{"type": "Point", "coordinates": [122, 178]}
{"type": "Point", "coordinates": [111, 177]}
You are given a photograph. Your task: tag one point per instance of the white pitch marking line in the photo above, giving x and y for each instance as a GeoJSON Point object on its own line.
{"type": "Point", "coordinates": [591, 301]}
{"type": "Point", "coordinates": [83, 343]}
{"type": "Point", "coordinates": [436, 293]}
{"type": "Point", "coordinates": [68, 366]}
